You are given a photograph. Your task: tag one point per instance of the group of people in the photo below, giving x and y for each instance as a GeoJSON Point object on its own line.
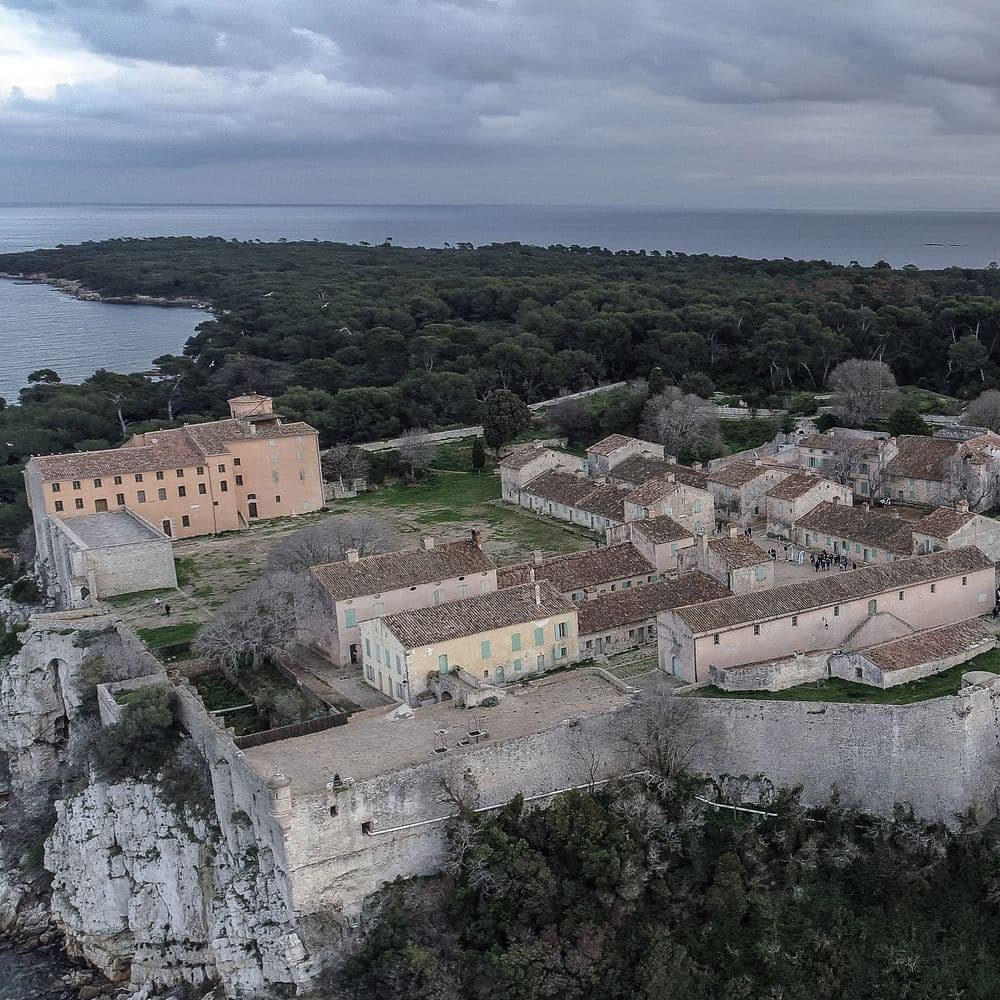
{"type": "Point", "coordinates": [824, 562]}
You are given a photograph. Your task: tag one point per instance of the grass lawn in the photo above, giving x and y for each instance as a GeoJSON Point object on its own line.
{"type": "Point", "coordinates": [167, 635]}
{"type": "Point", "coordinates": [122, 600]}
{"type": "Point", "coordinates": [940, 685]}
{"type": "Point", "coordinates": [926, 401]}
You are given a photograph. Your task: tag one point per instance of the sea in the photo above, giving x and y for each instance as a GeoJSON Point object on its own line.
{"type": "Point", "coordinates": [44, 328]}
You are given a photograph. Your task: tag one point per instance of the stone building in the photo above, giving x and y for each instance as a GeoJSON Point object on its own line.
{"type": "Point", "coordinates": [941, 470]}
{"type": "Point", "coordinates": [835, 611]}
{"type": "Point", "coordinates": [104, 555]}
{"type": "Point", "coordinates": [528, 462]}
{"type": "Point", "coordinates": [691, 506]}
{"type": "Point", "coordinates": [955, 528]}
{"type": "Point", "coordinates": [787, 501]}
{"type": "Point", "coordinates": [733, 559]}
{"type": "Point", "coordinates": [582, 576]}
{"type": "Point", "coordinates": [614, 449]}
{"type": "Point", "coordinates": [359, 589]}
{"type": "Point", "coordinates": [639, 469]}
{"type": "Point", "coordinates": [612, 623]}
{"type": "Point", "coordinates": [739, 488]}
{"type": "Point", "coordinates": [499, 637]}
{"type": "Point", "coordinates": [854, 457]}
{"type": "Point", "coordinates": [573, 497]}
{"type": "Point", "coordinates": [198, 479]}
{"type": "Point", "coordinates": [860, 534]}
{"type": "Point", "coordinates": [661, 540]}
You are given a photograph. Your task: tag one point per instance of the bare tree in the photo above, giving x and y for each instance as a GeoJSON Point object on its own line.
{"type": "Point", "coordinates": [975, 483]}
{"type": "Point", "coordinates": [416, 452]}
{"type": "Point", "coordinates": [328, 541]}
{"type": "Point", "coordinates": [678, 420]}
{"type": "Point", "coordinates": [668, 731]}
{"type": "Point", "coordinates": [346, 462]}
{"type": "Point", "coordinates": [258, 625]}
{"type": "Point", "coordinates": [861, 387]}
{"type": "Point", "coordinates": [984, 411]}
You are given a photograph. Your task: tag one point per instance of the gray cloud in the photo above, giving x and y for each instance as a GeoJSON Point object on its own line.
{"type": "Point", "coordinates": [725, 101]}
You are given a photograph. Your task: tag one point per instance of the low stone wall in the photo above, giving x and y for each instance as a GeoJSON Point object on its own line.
{"type": "Point", "coordinates": [848, 665]}
{"type": "Point", "coordinates": [774, 675]}
{"type": "Point", "coordinates": [291, 731]}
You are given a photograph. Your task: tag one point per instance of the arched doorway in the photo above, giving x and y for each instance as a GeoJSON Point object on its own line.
{"type": "Point", "coordinates": [500, 674]}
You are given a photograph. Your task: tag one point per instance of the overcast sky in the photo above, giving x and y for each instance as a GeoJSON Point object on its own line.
{"type": "Point", "coordinates": [701, 103]}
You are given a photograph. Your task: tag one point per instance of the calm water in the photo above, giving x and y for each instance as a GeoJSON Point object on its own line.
{"type": "Point", "coordinates": [39, 328]}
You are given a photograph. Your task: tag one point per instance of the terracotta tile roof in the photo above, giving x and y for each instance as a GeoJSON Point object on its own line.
{"type": "Point", "coordinates": [855, 524]}
{"type": "Point", "coordinates": [607, 501]}
{"type": "Point", "coordinates": [396, 570]}
{"type": "Point", "coordinates": [610, 444]}
{"type": "Point", "coordinates": [177, 448]}
{"type": "Point", "coordinates": [738, 552]}
{"type": "Point", "coordinates": [736, 474]}
{"type": "Point", "coordinates": [523, 456]}
{"type": "Point", "coordinates": [922, 457]}
{"type": "Point", "coordinates": [560, 487]}
{"type": "Point", "coordinates": [579, 570]}
{"type": "Point", "coordinates": [661, 529]}
{"type": "Point", "coordinates": [943, 522]}
{"type": "Point", "coordinates": [640, 469]}
{"type": "Point", "coordinates": [474, 615]}
{"type": "Point", "coordinates": [651, 491]}
{"type": "Point", "coordinates": [796, 485]}
{"type": "Point", "coordinates": [625, 607]}
{"type": "Point", "coordinates": [931, 644]}
{"type": "Point", "coordinates": [832, 588]}
{"type": "Point", "coordinates": [832, 441]}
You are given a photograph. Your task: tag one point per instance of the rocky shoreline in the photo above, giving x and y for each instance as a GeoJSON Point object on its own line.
{"type": "Point", "coordinates": [78, 290]}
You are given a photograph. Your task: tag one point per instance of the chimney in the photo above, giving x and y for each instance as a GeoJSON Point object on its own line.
{"type": "Point", "coordinates": [757, 462]}
{"type": "Point", "coordinates": [734, 530]}
{"type": "Point", "coordinates": [536, 557]}
{"type": "Point", "coordinates": [671, 478]}
{"type": "Point", "coordinates": [352, 555]}
{"type": "Point", "coordinates": [703, 550]}
{"type": "Point", "coordinates": [531, 574]}
{"type": "Point", "coordinates": [962, 506]}
{"type": "Point", "coordinates": [477, 538]}
{"type": "Point", "coordinates": [538, 595]}
{"type": "Point", "coordinates": [427, 543]}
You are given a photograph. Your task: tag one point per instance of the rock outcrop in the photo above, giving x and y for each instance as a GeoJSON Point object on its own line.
{"type": "Point", "coordinates": [152, 894]}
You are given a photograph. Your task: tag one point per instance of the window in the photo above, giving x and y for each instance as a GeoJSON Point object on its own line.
{"type": "Point", "coordinates": [185, 521]}
{"type": "Point", "coordinates": [562, 630]}
{"type": "Point", "coordinates": [179, 473]}
{"type": "Point", "coordinates": [274, 459]}
{"type": "Point", "coordinates": [202, 489]}
{"type": "Point", "coordinates": [369, 673]}
{"type": "Point", "coordinates": [399, 665]}
{"type": "Point", "coordinates": [485, 649]}
{"type": "Point", "coordinates": [159, 475]}
{"type": "Point", "coordinates": [79, 503]}
{"type": "Point", "coordinates": [756, 630]}
{"type": "Point", "coordinates": [302, 475]}
{"type": "Point", "coordinates": [697, 506]}
{"type": "Point", "coordinates": [161, 494]}
{"type": "Point", "coordinates": [368, 647]}
{"type": "Point", "coordinates": [627, 585]}
{"type": "Point", "coordinates": [933, 588]}
{"type": "Point", "coordinates": [515, 642]}
{"type": "Point", "coordinates": [350, 617]}
{"type": "Point", "coordinates": [223, 486]}
{"type": "Point", "coordinates": [76, 484]}
{"type": "Point", "coordinates": [277, 498]}
{"type": "Point", "coordinates": [298, 455]}
{"type": "Point", "coordinates": [56, 487]}
{"type": "Point", "coordinates": [118, 480]}
{"type": "Point", "coordinates": [836, 611]}
{"type": "Point", "coordinates": [200, 470]}
{"type": "Point", "coordinates": [443, 663]}
{"type": "Point", "coordinates": [182, 491]}
{"type": "Point", "coordinates": [760, 572]}
{"type": "Point", "coordinates": [399, 691]}
{"type": "Point", "coordinates": [275, 476]}
{"type": "Point", "coordinates": [222, 468]}
{"type": "Point", "coordinates": [237, 461]}
{"type": "Point", "coordinates": [965, 581]}
{"type": "Point", "coordinates": [438, 596]}
{"type": "Point", "coordinates": [872, 607]}
{"type": "Point", "coordinates": [463, 590]}
{"type": "Point", "coordinates": [100, 505]}
{"type": "Point", "coordinates": [120, 499]}
{"type": "Point", "coordinates": [539, 636]}
{"type": "Point", "coordinates": [560, 653]}
{"type": "Point", "coordinates": [138, 477]}
{"type": "Point", "coordinates": [59, 505]}
{"type": "Point", "coordinates": [517, 666]}
{"type": "Point", "coordinates": [795, 621]}
{"type": "Point", "coordinates": [715, 639]}
{"type": "Point", "coordinates": [270, 442]}
{"type": "Point", "coordinates": [141, 496]}
{"type": "Point", "coordinates": [239, 480]}
{"type": "Point", "coordinates": [97, 483]}
{"type": "Point", "coordinates": [900, 595]}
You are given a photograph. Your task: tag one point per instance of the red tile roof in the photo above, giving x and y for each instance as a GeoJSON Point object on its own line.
{"type": "Point", "coordinates": [661, 529]}
{"type": "Point", "coordinates": [739, 552]}
{"type": "Point", "coordinates": [855, 524]}
{"type": "Point", "coordinates": [931, 644]}
{"type": "Point", "coordinates": [797, 485]}
{"type": "Point", "coordinates": [943, 522]}
{"type": "Point", "coordinates": [737, 474]}
{"type": "Point", "coordinates": [580, 570]}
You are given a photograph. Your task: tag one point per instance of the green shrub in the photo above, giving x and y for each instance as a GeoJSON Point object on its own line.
{"type": "Point", "coordinates": [26, 591]}
{"type": "Point", "coordinates": [140, 742]}
{"type": "Point", "coordinates": [803, 404]}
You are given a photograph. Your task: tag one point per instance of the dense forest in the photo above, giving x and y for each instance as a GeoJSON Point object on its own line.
{"type": "Point", "coordinates": [364, 342]}
{"type": "Point", "coordinates": [644, 893]}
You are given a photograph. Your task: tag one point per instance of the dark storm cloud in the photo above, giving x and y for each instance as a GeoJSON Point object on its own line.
{"type": "Point", "coordinates": [714, 96]}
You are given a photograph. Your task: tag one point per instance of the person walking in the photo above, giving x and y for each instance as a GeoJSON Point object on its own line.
{"type": "Point", "coordinates": [166, 610]}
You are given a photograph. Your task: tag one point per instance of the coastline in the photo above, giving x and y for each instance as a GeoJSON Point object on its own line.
{"type": "Point", "coordinates": [76, 289]}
